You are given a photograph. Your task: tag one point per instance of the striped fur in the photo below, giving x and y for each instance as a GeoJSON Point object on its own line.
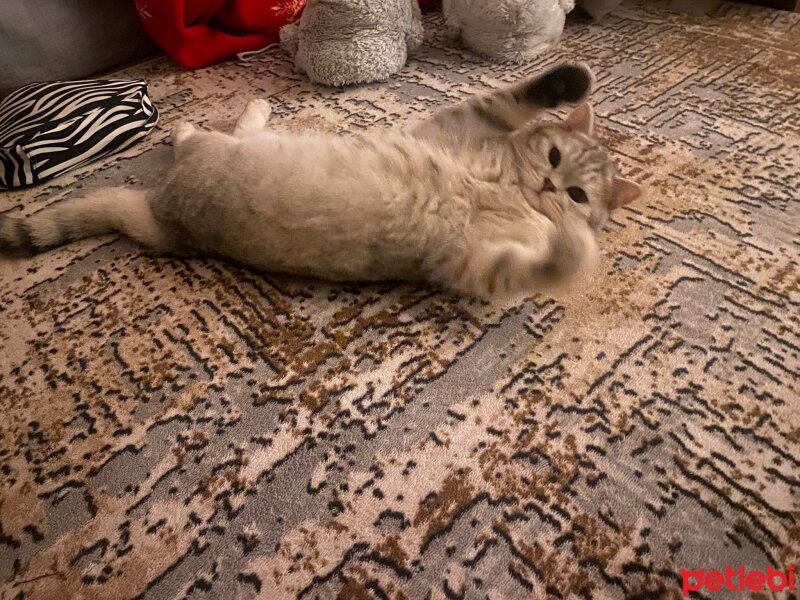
{"type": "Point", "coordinates": [466, 200]}
{"type": "Point", "coordinates": [106, 210]}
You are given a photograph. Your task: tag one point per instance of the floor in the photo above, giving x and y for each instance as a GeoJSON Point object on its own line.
{"type": "Point", "coordinates": [190, 429]}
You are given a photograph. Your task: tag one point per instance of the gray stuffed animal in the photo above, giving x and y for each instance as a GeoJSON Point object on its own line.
{"type": "Point", "coordinates": [507, 30]}
{"type": "Point", "coordinates": [344, 42]}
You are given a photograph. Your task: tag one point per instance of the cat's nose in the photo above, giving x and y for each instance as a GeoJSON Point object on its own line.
{"type": "Point", "coordinates": [548, 185]}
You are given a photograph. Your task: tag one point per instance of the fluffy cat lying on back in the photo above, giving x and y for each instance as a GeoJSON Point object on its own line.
{"type": "Point", "coordinates": [477, 198]}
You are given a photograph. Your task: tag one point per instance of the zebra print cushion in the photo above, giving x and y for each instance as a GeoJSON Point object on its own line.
{"type": "Point", "coordinates": [47, 129]}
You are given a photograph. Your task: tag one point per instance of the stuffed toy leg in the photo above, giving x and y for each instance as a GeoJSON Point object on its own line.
{"type": "Point", "coordinates": [346, 42]}
{"type": "Point", "coordinates": [507, 30]}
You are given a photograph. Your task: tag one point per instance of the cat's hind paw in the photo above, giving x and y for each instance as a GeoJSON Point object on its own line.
{"type": "Point", "coordinates": [565, 84]}
{"type": "Point", "coordinates": [181, 132]}
{"type": "Point", "coordinates": [254, 117]}
{"type": "Point", "coordinates": [260, 107]}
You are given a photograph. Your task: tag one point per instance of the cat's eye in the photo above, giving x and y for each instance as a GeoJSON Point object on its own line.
{"type": "Point", "coordinates": [577, 194]}
{"type": "Point", "coordinates": [554, 157]}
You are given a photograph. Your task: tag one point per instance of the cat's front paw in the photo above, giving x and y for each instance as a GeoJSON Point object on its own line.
{"type": "Point", "coordinates": [573, 250]}
{"type": "Point", "coordinates": [565, 84]}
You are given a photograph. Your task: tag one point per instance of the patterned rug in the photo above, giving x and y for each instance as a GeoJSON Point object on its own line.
{"type": "Point", "coordinates": [189, 429]}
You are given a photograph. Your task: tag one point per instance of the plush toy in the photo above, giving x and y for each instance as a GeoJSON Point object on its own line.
{"type": "Point", "coordinates": [507, 30]}
{"type": "Point", "coordinates": [344, 42]}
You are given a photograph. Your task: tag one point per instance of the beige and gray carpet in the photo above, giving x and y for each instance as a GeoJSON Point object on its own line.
{"type": "Point", "coordinates": [189, 429]}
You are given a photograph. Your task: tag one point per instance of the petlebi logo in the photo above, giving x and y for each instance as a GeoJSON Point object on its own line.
{"type": "Point", "coordinates": [738, 580]}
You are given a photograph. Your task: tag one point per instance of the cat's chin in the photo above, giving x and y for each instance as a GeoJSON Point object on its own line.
{"type": "Point", "coordinates": [534, 198]}
{"type": "Point", "coordinates": [550, 204]}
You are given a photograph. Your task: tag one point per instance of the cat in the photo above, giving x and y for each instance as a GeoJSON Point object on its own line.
{"type": "Point", "coordinates": [476, 199]}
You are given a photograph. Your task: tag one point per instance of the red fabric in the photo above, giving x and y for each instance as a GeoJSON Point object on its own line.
{"type": "Point", "coordinates": [198, 33]}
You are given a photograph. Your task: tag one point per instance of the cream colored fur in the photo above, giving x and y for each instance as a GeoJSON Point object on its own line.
{"type": "Point", "coordinates": [466, 210]}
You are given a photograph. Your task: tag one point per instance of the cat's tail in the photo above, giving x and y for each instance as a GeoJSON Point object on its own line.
{"type": "Point", "coordinates": [103, 211]}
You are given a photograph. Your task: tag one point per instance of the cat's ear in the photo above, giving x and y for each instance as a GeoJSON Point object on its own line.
{"type": "Point", "coordinates": [581, 119]}
{"type": "Point", "coordinates": [624, 191]}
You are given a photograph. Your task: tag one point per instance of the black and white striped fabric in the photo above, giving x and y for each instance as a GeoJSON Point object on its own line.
{"type": "Point", "coordinates": [47, 129]}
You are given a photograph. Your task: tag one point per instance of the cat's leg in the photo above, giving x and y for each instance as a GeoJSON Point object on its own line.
{"type": "Point", "coordinates": [180, 133]}
{"type": "Point", "coordinates": [500, 267]}
{"type": "Point", "coordinates": [506, 110]}
{"type": "Point", "coordinates": [254, 117]}
{"type": "Point", "coordinates": [498, 270]}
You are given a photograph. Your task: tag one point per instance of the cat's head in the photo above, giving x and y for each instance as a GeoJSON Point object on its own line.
{"type": "Point", "coordinates": [571, 171]}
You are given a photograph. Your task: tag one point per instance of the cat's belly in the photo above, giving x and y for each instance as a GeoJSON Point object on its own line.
{"type": "Point", "coordinates": [319, 253]}
{"type": "Point", "coordinates": [330, 208]}
{"type": "Point", "coordinates": [321, 233]}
